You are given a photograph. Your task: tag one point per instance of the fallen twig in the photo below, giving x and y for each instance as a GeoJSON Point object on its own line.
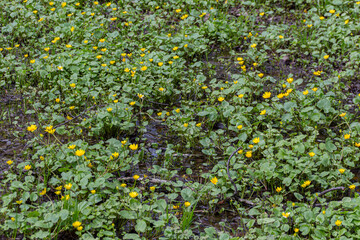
{"type": "Point", "coordinates": [326, 191]}
{"type": "Point", "coordinates": [228, 172]}
{"type": "Point", "coordinates": [77, 116]}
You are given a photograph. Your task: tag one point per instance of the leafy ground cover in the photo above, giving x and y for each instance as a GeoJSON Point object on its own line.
{"type": "Point", "coordinates": [180, 119]}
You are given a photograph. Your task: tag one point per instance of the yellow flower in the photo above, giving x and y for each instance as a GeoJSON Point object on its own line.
{"type": "Point", "coordinates": [32, 61]}
{"type": "Point", "coordinates": [19, 202]}
{"type": "Point", "coordinates": [352, 187]}
{"type": "Point", "coordinates": [109, 109]}
{"type": "Point", "coordinates": [357, 144]}
{"type": "Point", "coordinates": [332, 11]}
{"type": "Point", "coordinates": [112, 62]}
{"type": "Point", "coordinates": [160, 64]}
{"type": "Point", "coordinates": [58, 192]}
{"type": "Point", "coordinates": [13, 219]}
{"type": "Point", "coordinates": [93, 191]}
{"type": "Point", "coordinates": [214, 180]}
{"type": "Point", "coordinates": [281, 37]}
{"type": "Point", "coordinates": [285, 215]}
{"type": "Point", "coordinates": [267, 95]}
{"type": "Point", "coordinates": [305, 184]}
{"type": "Point", "coordinates": [187, 204]}
{"type": "Point", "coordinates": [239, 127]}
{"type": "Point", "coordinates": [76, 224]}
{"type": "Point", "coordinates": [140, 95]}
{"type": "Point", "coordinates": [278, 189]}
{"type": "Point", "coordinates": [68, 45]}
{"type": "Point", "coordinates": [253, 45]}
{"type": "Point", "coordinates": [113, 19]}
{"type": "Point", "coordinates": [326, 56]}
{"type": "Point", "coordinates": [73, 85]}
{"type": "Point", "coordinates": [240, 95]}
{"type": "Point", "coordinates": [175, 48]}
{"type": "Point", "coordinates": [342, 115]}
{"type": "Point", "coordinates": [68, 186]}
{"type": "Point", "coordinates": [9, 162]}
{"type": "Point", "coordinates": [347, 136]}
{"type": "Point", "coordinates": [321, 18]}
{"type": "Point", "coordinates": [103, 49]}
{"type": "Point", "coordinates": [79, 152]}
{"type": "Point", "coordinates": [338, 222]}
{"type": "Point", "coordinates": [290, 80]}
{"type": "Point", "coordinates": [263, 112]}
{"type": "Point", "coordinates": [50, 129]}
{"type": "Point", "coordinates": [341, 170]}
{"type": "Point", "coordinates": [314, 89]}
{"type": "Point", "coordinates": [27, 167]}
{"type": "Point", "coordinates": [240, 151]}
{"type": "Point", "coordinates": [80, 228]}
{"type": "Point", "coordinates": [261, 14]}
{"type": "Point", "coordinates": [133, 194]}
{"type": "Point", "coordinates": [51, 3]}
{"type": "Point", "coordinates": [311, 154]}
{"type": "Point", "coordinates": [136, 177]}
{"type": "Point", "coordinates": [346, 21]}
{"type": "Point", "coordinates": [32, 128]}
{"type": "Point", "coordinates": [43, 192]}
{"type": "Point", "coordinates": [176, 206]}
{"type": "Point", "coordinates": [220, 99]}
{"type": "Point", "coordinates": [281, 95]}
{"type": "Point", "coordinates": [248, 154]}
{"type": "Point", "coordinates": [102, 40]}
{"type": "Point", "coordinates": [99, 56]}
{"type": "Point", "coordinates": [177, 110]}
{"type": "Point", "coordinates": [143, 68]}
{"type": "Point", "coordinates": [123, 185]}
{"type": "Point", "coordinates": [133, 147]}
{"type": "Point", "coordinates": [305, 92]}
{"type": "Point", "coordinates": [256, 140]}
{"type": "Point", "coordinates": [186, 124]}
{"type": "Point", "coordinates": [198, 124]}
{"type": "Point", "coordinates": [152, 188]}
{"type": "Point", "coordinates": [71, 147]}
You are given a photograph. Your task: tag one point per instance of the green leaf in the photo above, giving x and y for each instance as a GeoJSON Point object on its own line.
{"type": "Point", "coordinates": [128, 214]}
{"type": "Point", "coordinates": [131, 236]}
{"type": "Point", "coordinates": [64, 214]}
{"type": "Point", "coordinates": [304, 229]}
{"type": "Point", "coordinates": [265, 220]}
{"type": "Point", "coordinates": [324, 104]}
{"type": "Point", "coordinates": [140, 225]}
{"type": "Point", "coordinates": [298, 196]}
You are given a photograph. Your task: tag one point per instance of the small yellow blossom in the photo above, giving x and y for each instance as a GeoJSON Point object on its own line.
{"type": "Point", "coordinates": [267, 95]}
{"type": "Point", "coordinates": [133, 147]}
{"type": "Point", "coordinates": [278, 189]}
{"type": "Point", "coordinates": [68, 186]}
{"type": "Point", "coordinates": [76, 224]}
{"type": "Point", "coordinates": [43, 192]}
{"type": "Point", "coordinates": [214, 180]}
{"type": "Point", "coordinates": [187, 204]}
{"type": "Point", "coordinates": [133, 194]}
{"type": "Point", "coordinates": [285, 215]}
{"type": "Point", "coordinates": [338, 222]}
{"type": "Point", "coordinates": [32, 128]}
{"type": "Point", "coordinates": [79, 152]}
